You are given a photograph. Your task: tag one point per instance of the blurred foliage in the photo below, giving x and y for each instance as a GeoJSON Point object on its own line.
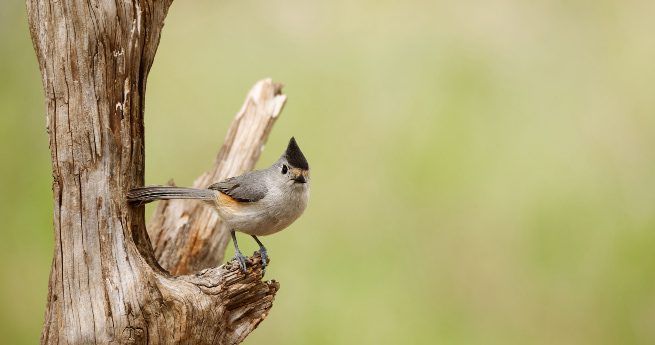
{"type": "Point", "coordinates": [482, 171]}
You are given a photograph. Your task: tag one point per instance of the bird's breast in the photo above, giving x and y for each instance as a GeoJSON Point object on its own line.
{"type": "Point", "coordinates": [264, 217]}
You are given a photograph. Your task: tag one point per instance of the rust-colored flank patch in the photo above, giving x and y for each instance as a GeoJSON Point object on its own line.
{"type": "Point", "coordinates": [227, 200]}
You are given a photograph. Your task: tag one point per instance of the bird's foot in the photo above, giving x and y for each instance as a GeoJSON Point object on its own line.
{"type": "Point", "coordinates": [264, 255]}
{"type": "Point", "coordinates": [241, 260]}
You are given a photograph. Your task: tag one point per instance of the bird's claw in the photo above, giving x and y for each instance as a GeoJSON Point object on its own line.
{"type": "Point", "coordinates": [264, 255]}
{"type": "Point", "coordinates": [241, 260]}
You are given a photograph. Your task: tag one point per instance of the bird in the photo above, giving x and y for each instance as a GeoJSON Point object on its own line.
{"type": "Point", "coordinates": [257, 203]}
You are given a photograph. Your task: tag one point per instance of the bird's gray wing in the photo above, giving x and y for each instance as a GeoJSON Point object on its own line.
{"type": "Point", "coordinates": [249, 187]}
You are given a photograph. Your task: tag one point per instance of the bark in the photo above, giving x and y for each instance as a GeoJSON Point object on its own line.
{"type": "Point", "coordinates": [105, 283]}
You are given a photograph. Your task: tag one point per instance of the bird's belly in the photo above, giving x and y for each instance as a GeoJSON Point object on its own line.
{"type": "Point", "coordinates": [256, 219]}
{"type": "Point", "coordinates": [258, 225]}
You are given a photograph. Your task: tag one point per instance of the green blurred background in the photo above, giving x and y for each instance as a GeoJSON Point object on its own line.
{"type": "Point", "coordinates": [482, 170]}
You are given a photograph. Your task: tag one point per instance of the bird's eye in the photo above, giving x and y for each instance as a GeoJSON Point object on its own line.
{"type": "Point", "coordinates": [285, 168]}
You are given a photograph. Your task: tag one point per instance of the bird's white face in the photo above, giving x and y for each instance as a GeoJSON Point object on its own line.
{"type": "Point", "coordinates": [295, 178]}
{"type": "Point", "coordinates": [292, 185]}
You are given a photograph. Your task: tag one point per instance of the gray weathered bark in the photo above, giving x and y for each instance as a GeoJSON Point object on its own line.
{"type": "Point", "coordinates": [105, 284]}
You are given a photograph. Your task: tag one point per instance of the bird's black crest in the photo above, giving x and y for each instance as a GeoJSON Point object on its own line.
{"type": "Point", "coordinates": [294, 156]}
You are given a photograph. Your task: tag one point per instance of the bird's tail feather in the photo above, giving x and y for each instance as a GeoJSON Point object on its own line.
{"type": "Point", "coordinates": [144, 195]}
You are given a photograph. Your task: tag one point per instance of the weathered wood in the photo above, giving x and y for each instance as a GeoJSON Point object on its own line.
{"type": "Point", "coordinates": [105, 284]}
{"type": "Point", "coordinates": [187, 234]}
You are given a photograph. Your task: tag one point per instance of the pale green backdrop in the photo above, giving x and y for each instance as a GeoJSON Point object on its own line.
{"type": "Point", "coordinates": [483, 171]}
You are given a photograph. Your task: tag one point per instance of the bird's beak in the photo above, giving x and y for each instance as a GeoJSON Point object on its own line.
{"type": "Point", "coordinates": [299, 175]}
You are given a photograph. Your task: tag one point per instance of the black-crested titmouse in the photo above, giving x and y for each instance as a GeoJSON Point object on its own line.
{"type": "Point", "coordinates": [257, 203]}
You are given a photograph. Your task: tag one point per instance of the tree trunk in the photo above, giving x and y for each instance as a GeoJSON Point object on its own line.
{"type": "Point", "coordinates": [105, 284]}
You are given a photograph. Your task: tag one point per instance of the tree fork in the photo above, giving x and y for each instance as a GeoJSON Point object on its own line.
{"type": "Point", "coordinates": [106, 285]}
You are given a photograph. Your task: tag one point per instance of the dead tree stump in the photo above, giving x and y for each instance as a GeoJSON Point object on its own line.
{"type": "Point", "coordinates": [106, 285]}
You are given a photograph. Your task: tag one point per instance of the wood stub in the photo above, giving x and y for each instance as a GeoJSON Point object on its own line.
{"type": "Point", "coordinates": [245, 299]}
{"type": "Point", "coordinates": [186, 234]}
{"type": "Point", "coordinates": [219, 305]}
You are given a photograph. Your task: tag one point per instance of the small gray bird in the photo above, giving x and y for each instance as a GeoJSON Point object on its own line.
{"type": "Point", "coordinates": [257, 203]}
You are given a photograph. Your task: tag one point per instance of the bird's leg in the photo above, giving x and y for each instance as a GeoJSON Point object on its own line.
{"type": "Point", "coordinates": [262, 252]}
{"type": "Point", "coordinates": [237, 253]}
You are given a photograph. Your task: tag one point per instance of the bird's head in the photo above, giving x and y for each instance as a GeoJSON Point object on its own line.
{"type": "Point", "coordinates": [293, 164]}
